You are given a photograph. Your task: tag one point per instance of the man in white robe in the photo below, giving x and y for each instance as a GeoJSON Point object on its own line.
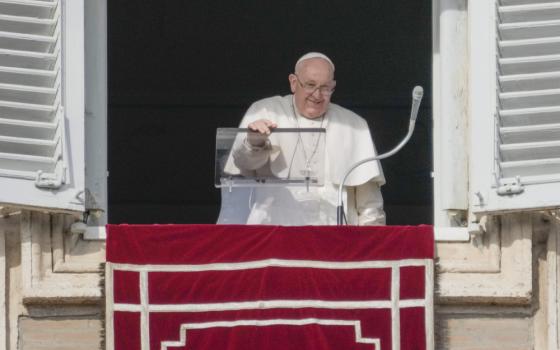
{"type": "Point", "coordinates": [347, 141]}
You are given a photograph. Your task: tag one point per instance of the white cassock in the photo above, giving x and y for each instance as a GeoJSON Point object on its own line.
{"type": "Point", "coordinates": [348, 140]}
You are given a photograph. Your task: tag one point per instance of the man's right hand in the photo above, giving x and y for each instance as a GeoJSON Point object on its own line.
{"type": "Point", "coordinates": [261, 128]}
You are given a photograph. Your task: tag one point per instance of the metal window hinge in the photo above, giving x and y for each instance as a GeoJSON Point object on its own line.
{"type": "Point", "coordinates": [50, 180]}
{"type": "Point", "coordinates": [511, 188]}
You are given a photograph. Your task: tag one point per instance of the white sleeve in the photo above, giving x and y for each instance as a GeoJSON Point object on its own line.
{"type": "Point", "coordinates": [369, 204]}
{"type": "Point", "coordinates": [248, 157]}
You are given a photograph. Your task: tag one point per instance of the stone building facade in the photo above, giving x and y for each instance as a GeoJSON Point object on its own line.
{"type": "Point", "coordinates": [496, 70]}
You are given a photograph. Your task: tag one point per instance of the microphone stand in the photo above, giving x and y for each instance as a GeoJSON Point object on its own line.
{"type": "Point", "coordinates": [417, 95]}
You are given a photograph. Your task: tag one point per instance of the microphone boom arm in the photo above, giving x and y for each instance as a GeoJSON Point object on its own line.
{"type": "Point", "coordinates": [417, 97]}
{"type": "Point", "coordinates": [339, 210]}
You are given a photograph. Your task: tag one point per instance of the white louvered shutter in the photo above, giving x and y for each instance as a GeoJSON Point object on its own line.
{"type": "Point", "coordinates": [526, 154]}
{"type": "Point", "coordinates": [42, 103]}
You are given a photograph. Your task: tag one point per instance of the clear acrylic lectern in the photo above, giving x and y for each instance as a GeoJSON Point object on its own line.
{"type": "Point", "coordinates": [288, 156]}
{"type": "Point", "coordinates": [248, 165]}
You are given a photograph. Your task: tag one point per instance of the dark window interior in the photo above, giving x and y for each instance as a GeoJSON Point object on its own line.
{"type": "Point", "coordinates": [180, 69]}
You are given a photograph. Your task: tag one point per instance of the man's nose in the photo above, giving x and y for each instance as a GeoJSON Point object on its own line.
{"type": "Point", "coordinates": [317, 93]}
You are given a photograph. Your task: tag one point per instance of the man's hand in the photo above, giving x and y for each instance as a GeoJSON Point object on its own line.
{"type": "Point", "coordinates": [261, 129]}
{"type": "Point", "coordinates": [262, 126]}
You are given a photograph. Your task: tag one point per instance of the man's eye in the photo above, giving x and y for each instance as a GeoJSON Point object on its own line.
{"type": "Point", "coordinates": [310, 86]}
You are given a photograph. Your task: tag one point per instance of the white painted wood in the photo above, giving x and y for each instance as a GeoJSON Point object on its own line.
{"type": "Point", "coordinates": [530, 99]}
{"type": "Point", "coordinates": [28, 59]}
{"type": "Point", "coordinates": [3, 291]}
{"type": "Point", "coordinates": [528, 116]}
{"type": "Point", "coordinates": [528, 133]}
{"type": "Point", "coordinates": [523, 2]}
{"type": "Point", "coordinates": [482, 92]}
{"type": "Point", "coordinates": [527, 30]}
{"type": "Point", "coordinates": [450, 108]}
{"type": "Point", "coordinates": [515, 100]}
{"type": "Point", "coordinates": [528, 82]}
{"type": "Point", "coordinates": [451, 234]}
{"type": "Point", "coordinates": [26, 76]}
{"type": "Point", "coordinates": [42, 104]}
{"type": "Point", "coordinates": [441, 234]}
{"type": "Point", "coordinates": [28, 8]}
{"type": "Point", "coordinates": [530, 12]}
{"type": "Point", "coordinates": [96, 113]}
{"type": "Point", "coordinates": [95, 233]}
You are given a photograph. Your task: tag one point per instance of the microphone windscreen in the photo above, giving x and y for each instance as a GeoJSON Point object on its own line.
{"type": "Point", "coordinates": [417, 92]}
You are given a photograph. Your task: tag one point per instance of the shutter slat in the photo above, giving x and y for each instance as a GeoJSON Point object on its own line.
{"type": "Point", "coordinates": [28, 94]}
{"type": "Point", "coordinates": [529, 47]}
{"type": "Point", "coordinates": [523, 2]}
{"type": "Point", "coordinates": [26, 163]}
{"type": "Point", "coordinates": [14, 107]}
{"type": "Point", "coordinates": [529, 116]}
{"type": "Point", "coordinates": [28, 59]}
{"type": "Point", "coordinates": [31, 77]}
{"type": "Point", "coordinates": [530, 64]}
{"type": "Point", "coordinates": [27, 25]}
{"type": "Point", "coordinates": [530, 82]}
{"type": "Point", "coordinates": [529, 30]}
{"type": "Point", "coordinates": [529, 99]}
{"type": "Point", "coordinates": [529, 12]}
{"type": "Point", "coordinates": [27, 42]}
{"type": "Point", "coordinates": [547, 169]}
{"type": "Point", "coordinates": [530, 133]}
{"type": "Point", "coordinates": [530, 151]}
{"type": "Point", "coordinates": [28, 8]}
{"type": "Point", "coordinates": [32, 147]}
{"type": "Point", "coordinates": [27, 129]}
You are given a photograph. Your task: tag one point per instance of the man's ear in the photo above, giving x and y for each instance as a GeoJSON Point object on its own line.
{"type": "Point", "coordinates": [293, 82]}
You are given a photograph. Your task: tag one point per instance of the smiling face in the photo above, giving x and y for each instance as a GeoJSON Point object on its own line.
{"type": "Point", "coordinates": [312, 72]}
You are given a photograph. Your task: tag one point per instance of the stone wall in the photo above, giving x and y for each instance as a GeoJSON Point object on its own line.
{"type": "Point", "coordinates": [498, 291]}
{"type": "Point", "coordinates": [52, 283]}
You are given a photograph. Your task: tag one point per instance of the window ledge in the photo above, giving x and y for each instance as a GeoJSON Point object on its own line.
{"type": "Point", "coordinates": [441, 234]}
{"type": "Point", "coordinates": [451, 234]}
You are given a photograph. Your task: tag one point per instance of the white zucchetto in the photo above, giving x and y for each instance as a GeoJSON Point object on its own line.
{"type": "Point", "coordinates": [314, 55]}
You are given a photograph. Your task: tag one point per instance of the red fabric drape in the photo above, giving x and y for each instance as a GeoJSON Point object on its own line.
{"type": "Point", "coordinates": [269, 287]}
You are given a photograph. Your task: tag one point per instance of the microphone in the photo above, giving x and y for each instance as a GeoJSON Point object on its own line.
{"type": "Point", "coordinates": [417, 94]}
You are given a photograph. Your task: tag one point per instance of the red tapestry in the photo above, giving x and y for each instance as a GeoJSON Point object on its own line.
{"type": "Point", "coordinates": [221, 287]}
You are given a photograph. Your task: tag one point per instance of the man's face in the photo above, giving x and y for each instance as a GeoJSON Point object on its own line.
{"type": "Point", "coordinates": [312, 72]}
